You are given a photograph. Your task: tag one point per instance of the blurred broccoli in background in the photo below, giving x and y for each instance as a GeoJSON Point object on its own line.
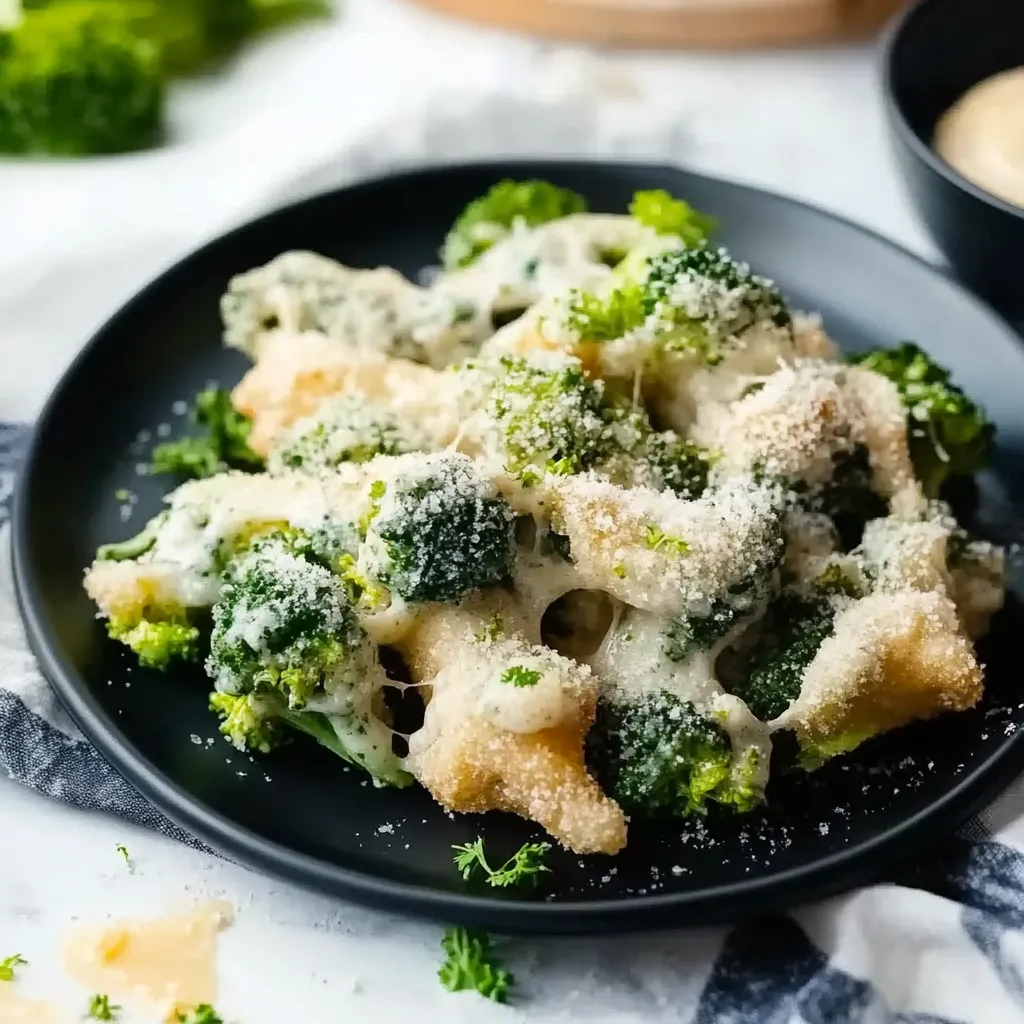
{"type": "Point", "coordinates": [490, 218]}
{"type": "Point", "coordinates": [949, 435]}
{"type": "Point", "coordinates": [667, 215]}
{"type": "Point", "coordinates": [82, 77]}
{"type": "Point", "coordinates": [224, 445]}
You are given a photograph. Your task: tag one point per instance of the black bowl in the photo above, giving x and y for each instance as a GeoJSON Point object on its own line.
{"type": "Point", "coordinates": [931, 56]}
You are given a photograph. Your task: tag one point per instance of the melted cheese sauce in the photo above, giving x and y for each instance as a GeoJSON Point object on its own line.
{"type": "Point", "coordinates": [158, 965]}
{"type": "Point", "coordinates": [982, 136]}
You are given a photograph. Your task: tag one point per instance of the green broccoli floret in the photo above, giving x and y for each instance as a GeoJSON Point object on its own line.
{"type": "Point", "coordinates": [489, 219]}
{"type": "Point", "coordinates": [677, 465]}
{"type": "Point", "coordinates": [607, 317]}
{"type": "Point", "coordinates": [948, 434]}
{"type": "Point", "coordinates": [660, 210]}
{"type": "Point", "coordinates": [658, 756]}
{"type": "Point", "coordinates": [441, 532]}
{"type": "Point", "coordinates": [695, 300]}
{"type": "Point", "coordinates": [552, 419]}
{"type": "Point", "coordinates": [224, 445]}
{"type": "Point", "coordinates": [75, 80]}
{"type": "Point", "coordinates": [351, 428]}
{"type": "Point", "coordinates": [794, 629]}
{"type": "Point", "coordinates": [158, 643]}
{"type": "Point", "coordinates": [286, 636]}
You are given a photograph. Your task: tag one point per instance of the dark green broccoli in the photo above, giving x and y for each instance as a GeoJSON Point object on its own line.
{"type": "Point", "coordinates": [351, 428]}
{"type": "Point", "coordinates": [949, 435]}
{"type": "Point", "coordinates": [158, 643]}
{"type": "Point", "coordinates": [660, 210]}
{"type": "Point", "coordinates": [793, 631]}
{"type": "Point", "coordinates": [287, 646]}
{"type": "Point", "coordinates": [677, 465]}
{"type": "Point", "coordinates": [224, 445]}
{"type": "Point", "coordinates": [75, 80]}
{"type": "Point", "coordinates": [441, 533]}
{"type": "Point", "coordinates": [490, 218]}
{"type": "Point", "coordinates": [658, 756]}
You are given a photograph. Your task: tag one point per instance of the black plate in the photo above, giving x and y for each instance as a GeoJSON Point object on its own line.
{"type": "Point", "coordinates": [300, 814]}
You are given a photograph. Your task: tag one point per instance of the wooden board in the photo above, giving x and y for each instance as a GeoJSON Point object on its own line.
{"type": "Point", "coordinates": [681, 24]}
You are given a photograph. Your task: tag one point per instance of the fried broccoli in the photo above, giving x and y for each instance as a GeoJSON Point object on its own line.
{"type": "Point", "coordinates": [440, 532]}
{"type": "Point", "coordinates": [667, 215]}
{"type": "Point", "coordinates": [948, 434]}
{"type": "Point", "coordinates": [74, 80]}
{"type": "Point", "coordinates": [658, 756]}
{"type": "Point", "coordinates": [490, 218]}
{"type": "Point", "coordinates": [794, 629]}
{"type": "Point", "coordinates": [225, 443]}
{"type": "Point", "coordinates": [351, 428]}
{"type": "Point", "coordinates": [286, 639]}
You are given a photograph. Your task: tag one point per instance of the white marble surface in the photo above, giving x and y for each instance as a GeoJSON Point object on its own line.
{"type": "Point", "coordinates": [74, 240]}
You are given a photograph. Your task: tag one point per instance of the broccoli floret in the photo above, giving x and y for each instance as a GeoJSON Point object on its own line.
{"type": "Point", "coordinates": [487, 220]}
{"type": "Point", "coordinates": [286, 636]}
{"type": "Point", "coordinates": [281, 621]}
{"type": "Point", "coordinates": [849, 498]}
{"type": "Point", "coordinates": [693, 300]}
{"type": "Point", "coordinates": [347, 429]}
{"type": "Point", "coordinates": [949, 434]}
{"type": "Point", "coordinates": [701, 298]}
{"type": "Point", "coordinates": [248, 721]}
{"type": "Point", "coordinates": [793, 631]}
{"type": "Point", "coordinates": [554, 419]}
{"type": "Point", "coordinates": [158, 644]}
{"type": "Point", "coordinates": [607, 317]}
{"type": "Point", "coordinates": [441, 532]}
{"type": "Point", "coordinates": [677, 465]}
{"type": "Point", "coordinates": [660, 210]}
{"type": "Point", "coordinates": [224, 445]}
{"type": "Point", "coordinates": [74, 80]}
{"type": "Point", "coordinates": [658, 756]}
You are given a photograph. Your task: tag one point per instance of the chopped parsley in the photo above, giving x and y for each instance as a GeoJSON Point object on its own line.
{"type": "Point", "coordinates": [520, 676]}
{"type": "Point", "coordinates": [657, 538]}
{"type": "Point", "coordinates": [493, 630]}
{"type": "Point", "coordinates": [100, 1008]}
{"type": "Point", "coordinates": [123, 850]}
{"type": "Point", "coordinates": [526, 863]}
{"type": "Point", "coordinates": [204, 1013]}
{"type": "Point", "coordinates": [469, 965]}
{"type": "Point", "coordinates": [7, 966]}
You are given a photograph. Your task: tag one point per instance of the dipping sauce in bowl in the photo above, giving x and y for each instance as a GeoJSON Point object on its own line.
{"type": "Point", "coordinates": [982, 135]}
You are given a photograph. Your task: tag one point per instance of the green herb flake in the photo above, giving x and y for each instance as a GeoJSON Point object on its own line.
{"type": "Point", "coordinates": [656, 538]}
{"type": "Point", "coordinates": [520, 676]}
{"type": "Point", "coordinates": [526, 864]}
{"type": "Point", "coordinates": [7, 966]}
{"type": "Point", "coordinates": [470, 966]}
{"type": "Point", "coordinates": [100, 1008]}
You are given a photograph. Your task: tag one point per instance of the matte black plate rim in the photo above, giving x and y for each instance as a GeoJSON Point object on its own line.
{"type": "Point", "coordinates": [833, 873]}
{"type": "Point", "coordinates": [924, 152]}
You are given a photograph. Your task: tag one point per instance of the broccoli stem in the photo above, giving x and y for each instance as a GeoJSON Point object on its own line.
{"type": "Point", "coordinates": [359, 739]}
{"type": "Point", "coordinates": [133, 547]}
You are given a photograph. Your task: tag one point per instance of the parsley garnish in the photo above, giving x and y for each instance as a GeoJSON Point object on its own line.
{"type": "Point", "coordinates": [494, 630]}
{"type": "Point", "coordinates": [100, 1008]}
{"type": "Point", "coordinates": [469, 965]}
{"type": "Point", "coordinates": [620, 570]}
{"type": "Point", "coordinates": [123, 850]}
{"type": "Point", "coordinates": [520, 676]}
{"type": "Point", "coordinates": [526, 862]}
{"type": "Point", "coordinates": [7, 966]}
{"type": "Point", "coordinates": [204, 1013]}
{"type": "Point", "coordinates": [657, 538]}
{"type": "Point", "coordinates": [377, 491]}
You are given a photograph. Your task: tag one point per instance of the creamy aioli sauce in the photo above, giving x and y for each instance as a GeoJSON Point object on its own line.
{"type": "Point", "coordinates": [159, 965]}
{"type": "Point", "coordinates": [982, 136]}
